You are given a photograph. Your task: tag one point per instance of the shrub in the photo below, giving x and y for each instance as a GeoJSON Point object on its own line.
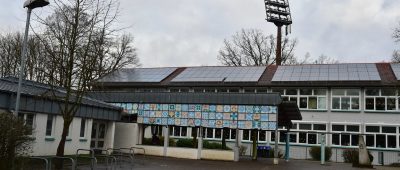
{"type": "Point", "coordinates": [351, 156]}
{"type": "Point", "coordinates": [187, 143]}
{"type": "Point", "coordinates": [213, 145]}
{"type": "Point", "coordinates": [160, 142]}
{"type": "Point", "coordinates": [15, 140]}
{"type": "Point", "coordinates": [315, 153]}
{"type": "Point", "coordinates": [242, 150]}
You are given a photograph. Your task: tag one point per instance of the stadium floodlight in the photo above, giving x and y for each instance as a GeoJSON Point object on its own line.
{"type": "Point", "coordinates": [278, 12]}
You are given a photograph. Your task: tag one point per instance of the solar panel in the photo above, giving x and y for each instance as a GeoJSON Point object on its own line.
{"type": "Point", "coordinates": [138, 75]}
{"type": "Point", "coordinates": [331, 72]}
{"type": "Point", "coordinates": [220, 74]}
{"type": "Point", "coordinates": [396, 70]}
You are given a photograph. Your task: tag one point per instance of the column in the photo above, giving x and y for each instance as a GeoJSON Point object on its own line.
{"type": "Point", "coordinates": [166, 140]}
{"type": "Point", "coordinates": [199, 142]}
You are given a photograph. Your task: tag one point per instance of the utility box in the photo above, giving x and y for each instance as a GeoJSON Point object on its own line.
{"type": "Point", "coordinates": [263, 151]}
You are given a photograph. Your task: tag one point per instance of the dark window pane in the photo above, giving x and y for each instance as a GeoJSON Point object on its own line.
{"type": "Point", "coordinates": [338, 127]}
{"type": "Point", "coordinates": [100, 144]}
{"type": "Point", "coordinates": [320, 92]}
{"type": "Point", "coordinates": [262, 135]}
{"type": "Point", "coordinates": [210, 133]}
{"type": "Point", "coordinates": [345, 140]}
{"type": "Point", "coordinates": [218, 133]}
{"type": "Point", "coordinates": [312, 138]}
{"type": "Point", "coordinates": [386, 129]}
{"type": "Point", "coordinates": [29, 119]}
{"type": "Point", "coordinates": [353, 128]}
{"type": "Point", "coordinates": [171, 131]}
{"type": "Point", "coordinates": [391, 104]}
{"type": "Point", "coordinates": [354, 140]}
{"type": "Point", "coordinates": [249, 90]}
{"type": "Point", "coordinates": [222, 90]}
{"type": "Point", "coordinates": [293, 99]}
{"type": "Point", "coordinates": [263, 91]}
{"type": "Point", "coordinates": [355, 103]}
{"type": "Point", "coordinates": [369, 104]}
{"type": "Point", "coordinates": [272, 136]}
{"type": "Point", "coordinates": [233, 133]}
{"type": "Point", "coordinates": [305, 126]}
{"type": "Point", "coordinates": [388, 92]}
{"type": "Point", "coordinates": [83, 126]}
{"type": "Point", "coordinates": [319, 127]}
{"type": "Point", "coordinates": [94, 130]}
{"type": "Point", "coordinates": [246, 134]}
{"type": "Point", "coordinates": [293, 138]}
{"type": "Point", "coordinates": [291, 92]}
{"type": "Point", "coordinates": [209, 90]}
{"type": "Point", "coordinates": [184, 90]}
{"type": "Point", "coordinates": [380, 103]}
{"type": "Point", "coordinates": [345, 103]}
{"type": "Point", "coordinates": [312, 103]}
{"type": "Point", "coordinates": [303, 102]}
{"type": "Point", "coordinates": [335, 139]}
{"type": "Point", "coordinates": [302, 137]}
{"type": "Point", "coordinates": [92, 144]}
{"type": "Point", "coordinates": [305, 91]}
{"type": "Point", "coordinates": [372, 92]}
{"type": "Point", "coordinates": [381, 141]}
{"type": "Point", "coordinates": [338, 92]}
{"type": "Point", "coordinates": [173, 90]}
{"type": "Point", "coordinates": [391, 141]}
{"type": "Point", "coordinates": [370, 140]}
{"type": "Point", "coordinates": [49, 125]}
{"type": "Point", "coordinates": [282, 136]}
{"type": "Point", "coordinates": [184, 131]}
{"type": "Point", "coordinates": [233, 90]}
{"type": "Point", "coordinates": [285, 98]}
{"type": "Point", "coordinates": [102, 130]}
{"type": "Point", "coordinates": [198, 90]}
{"type": "Point", "coordinates": [281, 91]}
{"type": "Point", "coordinates": [194, 131]}
{"type": "Point", "coordinates": [335, 103]}
{"type": "Point", "coordinates": [353, 92]}
{"type": "Point", "coordinates": [372, 129]}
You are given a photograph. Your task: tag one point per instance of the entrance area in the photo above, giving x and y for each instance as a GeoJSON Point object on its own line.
{"type": "Point", "coordinates": [98, 134]}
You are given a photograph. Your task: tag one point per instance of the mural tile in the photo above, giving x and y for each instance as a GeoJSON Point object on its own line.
{"type": "Point", "coordinates": [227, 108]}
{"type": "Point", "coordinates": [219, 116]}
{"type": "Point", "coordinates": [249, 109]}
{"type": "Point", "coordinates": [177, 114]}
{"type": "Point", "coordinates": [227, 123]}
{"type": "Point", "coordinates": [177, 122]}
{"type": "Point", "coordinates": [264, 117]}
{"type": "Point", "coordinates": [213, 108]}
{"type": "Point", "coordinates": [185, 107]}
{"type": "Point", "coordinates": [164, 113]}
{"type": "Point", "coordinates": [192, 107]}
{"type": "Point", "coordinates": [234, 108]}
{"type": "Point", "coordinates": [152, 114]}
{"type": "Point", "coordinates": [184, 122]}
{"type": "Point", "coordinates": [197, 122]}
{"type": "Point", "coordinates": [191, 122]}
{"type": "Point", "coordinates": [191, 115]}
{"type": "Point", "coordinates": [249, 116]}
{"type": "Point", "coordinates": [206, 108]}
{"type": "Point", "coordinates": [211, 115]}
{"type": "Point", "coordinates": [198, 107]}
{"type": "Point", "coordinates": [256, 116]}
{"type": "Point", "coordinates": [171, 114]}
{"type": "Point", "coordinates": [178, 107]}
{"type": "Point", "coordinates": [227, 116]}
{"type": "Point", "coordinates": [204, 115]}
{"type": "Point", "coordinates": [164, 121]}
{"type": "Point", "coordinates": [184, 114]}
{"type": "Point", "coordinates": [172, 107]}
{"type": "Point", "coordinates": [198, 115]}
{"type": "Point", "coordinates": [220, 108]}
{"type": "Point", "coordinates": [171, 121]}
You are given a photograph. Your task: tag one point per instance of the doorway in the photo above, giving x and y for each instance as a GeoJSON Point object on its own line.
{"type": "Point", "coordinates": [98, 134]}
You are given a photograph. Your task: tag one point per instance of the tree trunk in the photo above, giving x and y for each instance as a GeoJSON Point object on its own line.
{"type": "Point", "coordinates": [194, 135]}
{"type": "Point", "coordinates": [254, 139]}
{"type": "Point", "coordinates": [224, 136]}
{"type": "Point", "coordinates": [61, 146]}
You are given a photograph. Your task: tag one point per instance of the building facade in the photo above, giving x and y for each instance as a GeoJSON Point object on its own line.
{"type": "Point", "coordinates": [341, 100]}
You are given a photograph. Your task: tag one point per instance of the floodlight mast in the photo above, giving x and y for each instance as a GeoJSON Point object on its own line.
{"type": "Point", "coordinates": [278, 12]}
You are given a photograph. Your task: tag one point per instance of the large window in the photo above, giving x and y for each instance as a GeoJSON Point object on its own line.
{"type": "Point", "coordinates": [345, 99]}
{"type": "Point", "coordinates": [307, 99]}
{"type": "Point", "coordinates": [304, 134]}
{"type": "Point", "coordinates": [211, 133]}
{"type": "Point", "coordinates": [83, 128]}
{"type": "Point", "coordinates": [381, 99]}
{"type": "Point", "coordinates": [178, 131]}
{"type": "Point", "coordinates": [345, 135]}
{"type": "Point", "coordinates": [381, 136]}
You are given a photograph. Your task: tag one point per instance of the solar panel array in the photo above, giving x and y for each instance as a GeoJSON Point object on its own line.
{"type": "Point", "coordinates": [396, 70]}
{"type": "Point", "coordinates": [331, 72]}
{"type": "Point", "coordinates": [138, 75]}
{"type": "Point", "coordinates": [220, 74]}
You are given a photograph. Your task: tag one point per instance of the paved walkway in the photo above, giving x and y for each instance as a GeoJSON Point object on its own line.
{"type": "Point", "coordinates": [156, 163]}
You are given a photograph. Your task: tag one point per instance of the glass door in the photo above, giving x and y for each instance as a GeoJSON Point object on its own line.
{"type": "Point", "coordinates": [98, 134]}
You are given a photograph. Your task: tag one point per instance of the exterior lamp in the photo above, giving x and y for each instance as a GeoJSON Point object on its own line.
{"type": "Point", "coordinates": [30, 4]}
{"type": "Point", "coordinates": [278, 12]}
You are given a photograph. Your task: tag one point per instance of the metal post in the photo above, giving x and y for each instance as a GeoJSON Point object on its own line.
{"type": "Point", "coordinates": [287, 147]}
{"type": "Point", "coordinates": [23, 58]}
{"type": "Point", "coordinates": [276, 159]}
{"type": "Point", "coordinates": [279, 46]}
{"type": "Point", "coordinates": [323, 149]}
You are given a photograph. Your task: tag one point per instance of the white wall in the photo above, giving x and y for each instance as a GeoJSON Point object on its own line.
{"type": "Point", "coordinates": [126, 135]}
{"type": "Point", "coordinates": [43, 146]}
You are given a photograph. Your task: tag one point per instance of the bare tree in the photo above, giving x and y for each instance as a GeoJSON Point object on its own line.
{"type": "Point", "coordinates": [81, 45]}
{"type": "Point", "coordinates": [250, 47]}
{"type": "Point", "coordinates": [396, 33]}
{"type": "Point", "coordinates": [396, 56]}
{"type": "Point", "coordinates": [322, 59]}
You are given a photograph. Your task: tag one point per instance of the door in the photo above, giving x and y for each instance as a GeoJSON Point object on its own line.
{"type": "Point", "coordinates": [98, 134]}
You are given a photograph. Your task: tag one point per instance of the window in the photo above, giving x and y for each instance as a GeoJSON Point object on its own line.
{"type": "Point", "coordinates": [262, 134]}
{"type": "Point", "coordinates": [313, 99]}
{"type": "Point", "coordinates": [246, 135]}
{"type": "Point", "coordinates": [381, 136]}
{"type": "Point", "coordinates": [347, 135]}
{"type": "Point", "coordinates": [345, 99]}
{"type": "Point", "coordinates": [28, 118]}
{"type": "Point", "coordinates": [288, 94]}
{"type": "Point", "coordinates": [177, 131]}
{"type": "Point", "coordinates": [381, 99]}
{"type": "Point", "coordinates": [304, 136]}
{"type": "Point", "coordinates": [49, 125]}
{"type": "Point", "coordinates": [83, 127]}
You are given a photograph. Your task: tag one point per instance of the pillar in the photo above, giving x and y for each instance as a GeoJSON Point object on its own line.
{"type": "Point", "coordinates": [199, 142]}
{"type": "Point", "coordinates": [287, 148]}
{"type": "Point", "coordinates": [237, 147]}
{"type": "Point", "coordinates": [166, 140]}
{"type": "Point", "coordinates": [323, 149]}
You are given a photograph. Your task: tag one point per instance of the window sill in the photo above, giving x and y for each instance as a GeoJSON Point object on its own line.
{"type": "Point", "coordinates": [314, 110]}
{"type": "Point", "coordinates": [82, 140]}
{"type": "Point", "coordinates": [48, 138]}
{"type": "Point", "coordinates": [381, 111]}
{"type": "Point", "coordinates": [349, 111]}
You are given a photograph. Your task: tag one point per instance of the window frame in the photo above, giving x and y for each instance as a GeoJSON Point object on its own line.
{"type": "Point", "coordinates": [346, 95]}
{"type": "Point", "coordinates": [53, 125]}
{"type": "Point", "coordinates": [381, 95]}
{"type": "Point", "coordinates": [345, 132]}
{"type": "Point", "coordinates": [386, 134]}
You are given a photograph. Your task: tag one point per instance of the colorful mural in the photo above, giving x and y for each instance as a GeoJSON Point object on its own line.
{"type": "Point", "coordinates": [211, 116]}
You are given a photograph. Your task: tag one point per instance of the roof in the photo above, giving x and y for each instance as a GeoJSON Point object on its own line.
{"type": "Point", "coordinates": [37, 97]}
{"type": "Point", "coordinates": [325, 75]}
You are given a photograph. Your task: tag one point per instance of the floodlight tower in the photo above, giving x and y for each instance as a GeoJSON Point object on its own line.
{"type": "Point", "coordinates": [278, 12]}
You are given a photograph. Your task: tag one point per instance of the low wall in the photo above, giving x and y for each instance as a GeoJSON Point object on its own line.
{"type": "Point", "coordinates": [152, 150]}
{"type": "Point", "coordinates": [186, 153]}
{"type": "Point", "coordinates": [217, 155]}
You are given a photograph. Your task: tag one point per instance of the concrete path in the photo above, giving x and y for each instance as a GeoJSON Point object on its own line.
{"type": "Point", "coordinates": [161, 163]}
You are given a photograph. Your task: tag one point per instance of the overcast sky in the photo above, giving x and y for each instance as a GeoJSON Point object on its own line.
{"type": "Point", "coordinates": [190, 32]}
